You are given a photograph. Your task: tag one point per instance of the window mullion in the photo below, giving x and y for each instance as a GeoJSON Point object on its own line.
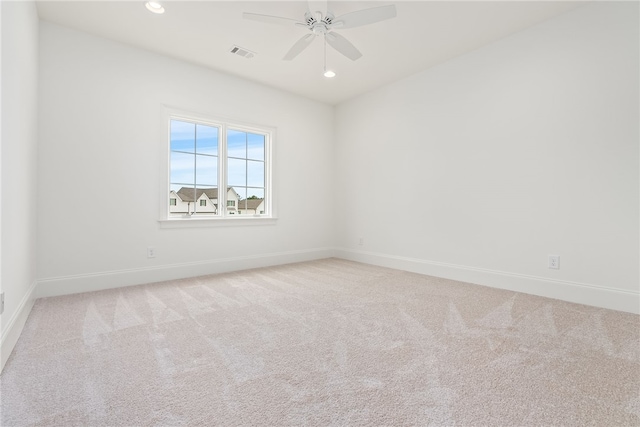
{"type": "Point", "coordinates": [195, 167]}
{"type": "Point", "coordinates": [246, 171]}
{"type": "Point", "coordinates": [222, 170]}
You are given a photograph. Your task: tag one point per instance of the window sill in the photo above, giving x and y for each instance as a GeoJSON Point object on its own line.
{"type": "Point", "coordinates": [190, 222]}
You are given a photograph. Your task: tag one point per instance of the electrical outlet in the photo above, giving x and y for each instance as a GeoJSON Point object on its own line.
{"type": "Point", "coordinates": [151, 252]}
{"type": "Point", "coordinates": [2, 303]}
{"type": "Point", "coordinates": [361, 241]}
{"type": "Point", "coordinates": [554, 262]}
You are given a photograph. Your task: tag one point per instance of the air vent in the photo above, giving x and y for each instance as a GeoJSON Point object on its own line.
{"type": "Point", "coordinates": [240, 51]}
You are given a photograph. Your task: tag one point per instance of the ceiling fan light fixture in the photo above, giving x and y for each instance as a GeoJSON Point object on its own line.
{"type": "Point", "coordinates": [154, 6]}
{"type": "Point", "coordinates": [329, 74]}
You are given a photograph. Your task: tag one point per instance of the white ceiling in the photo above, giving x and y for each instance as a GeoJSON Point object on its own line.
{"type": "Point", "coordinates": [423, 34]}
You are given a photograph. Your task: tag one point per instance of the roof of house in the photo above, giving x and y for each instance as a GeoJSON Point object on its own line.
{"type": "Point", "coordinates": [186, 193]}
{"type": "Point", "coordinates": [250, 203]}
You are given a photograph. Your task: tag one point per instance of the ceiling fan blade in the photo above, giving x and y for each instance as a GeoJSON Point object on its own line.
{"type": "Point", "coordinates": [343, 46]}
{"type": "Point", "coordinates": [299, 47]}
{"type": "Point", "coordinates": [318, 6]}
{"type": "Point", "coordinates": [365, 17]}
{"type": "Point", "coordinates": [270, 19]}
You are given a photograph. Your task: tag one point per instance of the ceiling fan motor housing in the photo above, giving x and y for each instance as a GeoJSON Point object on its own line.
{"type": "Point", "coordinates": [321, 25]}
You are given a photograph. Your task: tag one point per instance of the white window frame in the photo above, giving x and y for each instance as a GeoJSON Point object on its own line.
{"type": "Point", "coordinates": [222, 217]}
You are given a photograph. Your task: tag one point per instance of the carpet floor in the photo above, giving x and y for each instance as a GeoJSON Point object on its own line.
{"type": "Point", "coordinates": [321, 343]}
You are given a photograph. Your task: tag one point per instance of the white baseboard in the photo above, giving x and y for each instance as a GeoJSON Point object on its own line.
{"type": "Point", "coordinates": [12, 331]}
{"type": "Point", "coordinates": [581, 293]}
{"type": "Point", "coordinates": [65, 285]}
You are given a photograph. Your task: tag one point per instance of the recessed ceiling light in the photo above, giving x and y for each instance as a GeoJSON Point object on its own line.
{"type": "Point", "coordinates": [154, 7]}
{"type": "Point", "coordinates": [329, 74]}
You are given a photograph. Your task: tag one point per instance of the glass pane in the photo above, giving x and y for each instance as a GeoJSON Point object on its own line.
{"type": "Point", "coordinates": [175, 187]}
{"type": "Point", "coordinates": [255, 193]}
{"type": "Point", "coordinates": [232, 201]}
{"type": "Point", "coordinates": [255, 146]}
{"type": "Point", "coordinates": [187, 194]}
{"type": "Point", "coordinates": [182, 168]}
{"type": "Point", "coordinates": [183, 136]}
{"type": "Point", "coordinates": [236, 144]}
{"type": "Point", "coordinates": [254, 203]}
{"type": "Point", "coordinates": [206, 171]}
{"type": "Point", "coordinates": [255, 173]}
{"type": "Point", "coordinates": [237, 173]}
{"type": "Point", "coordinates": [182, 195]}
{"type": "Point", "coordinates": [207, 200]}
{"type": "Point", "coordinates": [184, 200]}
{"type": "Point", "coordinates": [207, 140]}
{"type": "Point", "coordinates": [242, 195]}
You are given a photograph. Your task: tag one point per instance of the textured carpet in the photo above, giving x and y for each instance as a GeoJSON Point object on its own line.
{"type": "Point", "coordinates": [328, 342]}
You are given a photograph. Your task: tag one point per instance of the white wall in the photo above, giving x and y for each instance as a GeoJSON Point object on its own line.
{"type": "Point", "coordinates": [19, 160]}
{"type": "Point", "coordinates": [99, 181]}
{"type": "Point", "coordinates": [490, 162]}
{"type": "Point", "coordinates": [483, 166]}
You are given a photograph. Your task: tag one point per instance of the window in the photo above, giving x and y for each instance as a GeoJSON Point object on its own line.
{"type": "Point", "coordinates": [228, 163]}
{"type": "Point", "coordinates": [246, 165]}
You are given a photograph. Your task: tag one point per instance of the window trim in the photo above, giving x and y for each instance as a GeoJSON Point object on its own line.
{"type": "Point", "coordinates": [166, 220]}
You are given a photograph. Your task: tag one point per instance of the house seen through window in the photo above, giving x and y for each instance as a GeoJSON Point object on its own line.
{"type": "Point", "coordinates": [206, 157]}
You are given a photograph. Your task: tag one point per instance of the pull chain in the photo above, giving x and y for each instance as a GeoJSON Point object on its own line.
{"type": "Point", "coordinates": [327, 73]}
{"type": "Point", "coordinates": [325, 53]}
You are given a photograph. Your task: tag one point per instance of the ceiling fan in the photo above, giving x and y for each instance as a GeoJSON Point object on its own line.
{"type": "Point", "coordinates": [321, 22]}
